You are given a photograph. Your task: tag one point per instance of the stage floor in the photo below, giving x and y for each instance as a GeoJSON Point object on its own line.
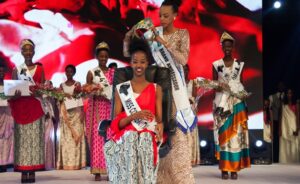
{"type": "Point", "coordinates": [260, 174]}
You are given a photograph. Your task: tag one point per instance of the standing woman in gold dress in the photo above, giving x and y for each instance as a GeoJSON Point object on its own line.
{"type": "Point", "coordinates": [176, 167]}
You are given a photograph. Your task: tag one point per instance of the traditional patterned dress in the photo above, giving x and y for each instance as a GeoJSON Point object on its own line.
{"type": "Point", "coordinates": [72, 147]}
{"type": "Point", "coordinates": [289, 144]}
{"type": "Point", "coordinates": [29, 128]}
{"type": "Point", "coordinates": [176, 167]}
{"type": "Point", "coordinates": [132, 155]}
{"type": "Point", "coordinates": [6, 133]}
{"type": "Point", "coordinates": [194, 138]}
{"type": "Point", "coordinates": [231, 133]}
{"type": "Point", "coordinates": [49, 135]}
{"type": "Point", "coordinates": [99, 108]}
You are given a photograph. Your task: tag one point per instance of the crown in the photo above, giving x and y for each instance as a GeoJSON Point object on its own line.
{"type": "Point", "coordinates": [142, 27]}
{"type": "Point", "coordinates": [102, 45]}
{"type": "Point", "coordinates": [226, 36]}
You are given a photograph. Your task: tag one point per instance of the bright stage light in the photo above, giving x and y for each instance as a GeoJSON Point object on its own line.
{"type": "Point", "coordinates": [277, 4]}
{"type": "Point", "coordinates": [203, 143]}
{"type": "Point", "coordinates": [258, 143]}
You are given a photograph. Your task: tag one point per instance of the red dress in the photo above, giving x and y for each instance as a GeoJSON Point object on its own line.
{"type": "Point", "coordinates": [146, 101]}
{"type": "Point", "coordinates": [29, 130]}
{"type": "Point", "coordinates": [27, 109]}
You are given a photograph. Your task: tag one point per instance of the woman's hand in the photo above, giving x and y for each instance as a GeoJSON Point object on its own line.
{"type": "Point", "coordinates": [160, 131]}
{"type": "Point", "coordinates": [295, 133]}
{"type": "Point", "coordinates": [69, 96]}
{"type": "Point", "coordinates": [143, 114]}
{"type": "Point", "coordinates": [17, 95]}
{"type": "Point", "coordinates": [224, 86]}
{"type": "Point", "coordinates": [129, 34]}
{"type": "Point", "coordinates": [158, 38]}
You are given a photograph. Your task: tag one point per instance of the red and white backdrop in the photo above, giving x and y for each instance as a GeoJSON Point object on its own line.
{"type": "Point", "coordinates": [67, 31]}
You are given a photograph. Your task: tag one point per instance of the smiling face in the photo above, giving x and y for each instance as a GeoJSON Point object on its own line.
{"type": "Point", "coordinates": [166, 15]}
{"type": "Point", "coordinates": [139, 63]}
{"type": "Point", "coordinates": [102, 58]}
{"type": "Point", "coordinates": [227, 47]}
{"type": "Point", "coordinates": [27, 52]}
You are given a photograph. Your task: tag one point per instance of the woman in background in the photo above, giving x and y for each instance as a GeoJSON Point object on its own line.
{"type": "Point", "coordinates": [194, 138]}
{"type": "Point", "coordinates": [6, 127]}
{"type": "Point", "coordinates": [49, 131]}
{"type": "Point", "coordinates": [99, 108]}
{"type": "Point", "coordinates": [289, 151]}
{"type": "Point", "coordinates": [71, 147]}
{"type": "Point", "coordinates": [28, 114]}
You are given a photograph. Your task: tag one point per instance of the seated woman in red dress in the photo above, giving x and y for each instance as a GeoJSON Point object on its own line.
{"type": "Point", "coordinates": [132, 153]}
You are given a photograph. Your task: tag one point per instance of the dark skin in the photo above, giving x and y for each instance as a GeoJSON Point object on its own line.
{"type": "Point", "coordinates": [2, 75]}
{"type": "Point", "coordinates": [167, 17]}
{"type": "Point", "coordinates": [70, 81]}
{"type": "Point", "coordinates": [139, 63]}
{"type": "Point", "coordinates": [186, 76]}
{"type": "Point", "coordinates": [102, 58]}
{"type": "Point", "coordinates": [267, 108]}
{"type": "Point", "coordinates": [27, 52]}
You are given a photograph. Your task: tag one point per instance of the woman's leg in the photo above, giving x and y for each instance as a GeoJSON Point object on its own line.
{"type": "Point", "coordinates": [146, 158]}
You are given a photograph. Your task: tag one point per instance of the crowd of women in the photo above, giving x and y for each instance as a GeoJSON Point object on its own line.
{"type": "Point", "coordinates": [137, 129]}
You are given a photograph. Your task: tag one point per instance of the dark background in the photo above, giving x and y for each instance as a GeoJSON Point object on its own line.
{"type": "Point", "coordinates": [281, 45]}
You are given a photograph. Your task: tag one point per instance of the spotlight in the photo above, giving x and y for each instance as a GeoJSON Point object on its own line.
{"type": "Point", "coordinates": [258, 143]}
{"type": "Point", "coordinates": [203, 143]}
{"type": "Point", "coordinates": [277, 4]}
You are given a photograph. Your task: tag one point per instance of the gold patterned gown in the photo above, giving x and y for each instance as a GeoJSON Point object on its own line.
{"type": "Point", "coordinates": [72, 147]}
{"type": "Point", "coordinates": [6, 133]}
{"type": "Point", "coordinates": [194, 138]}
{"type": "Point", "coordinates": [175, 168]}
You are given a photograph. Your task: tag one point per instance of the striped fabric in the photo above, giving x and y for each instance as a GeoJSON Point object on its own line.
{"type": "Point", "coordinates": [233, 148]}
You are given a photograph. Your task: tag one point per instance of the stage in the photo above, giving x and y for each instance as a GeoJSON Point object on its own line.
{"type": "Point", "coordinates": [260, 174]}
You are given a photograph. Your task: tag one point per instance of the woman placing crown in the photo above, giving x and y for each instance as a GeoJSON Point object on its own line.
{"type": "Point", "coordinates": [99, 108]}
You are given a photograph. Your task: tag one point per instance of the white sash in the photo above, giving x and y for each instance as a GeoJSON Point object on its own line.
{"type": "Point", "coordinates": [24, 73]}
{"type": "Point", "coordinates": [131, 106]}
{"type": "Point", "coordinates": [100, 78]}
{"type": "Point", "coordinates": [185, 116]}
